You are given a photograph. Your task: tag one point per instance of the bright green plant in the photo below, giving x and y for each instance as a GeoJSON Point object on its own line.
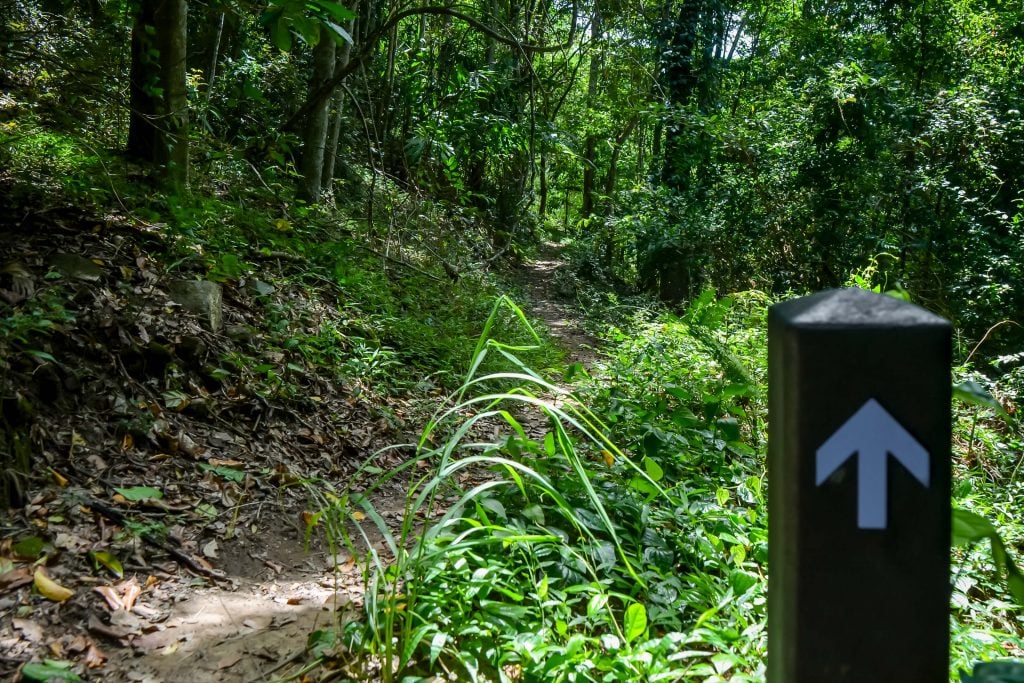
{"type": "Point", "coordinates": [568, 559]}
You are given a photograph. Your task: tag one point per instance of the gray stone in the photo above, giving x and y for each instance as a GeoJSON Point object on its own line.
{"type": "Point", "coordinates": [77, 267]}
{"type": "Point", "coordinates": [202, 297]}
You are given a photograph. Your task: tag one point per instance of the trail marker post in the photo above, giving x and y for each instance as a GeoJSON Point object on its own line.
{"type": "Point", "coordinates": [859, 490]}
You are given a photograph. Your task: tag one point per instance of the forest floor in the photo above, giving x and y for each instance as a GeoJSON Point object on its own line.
{"type": "Point", "coordinates": [216, 580]}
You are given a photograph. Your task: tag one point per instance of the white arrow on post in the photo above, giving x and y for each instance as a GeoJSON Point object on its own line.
{"type": "Point", "coordinates": [873, 434]}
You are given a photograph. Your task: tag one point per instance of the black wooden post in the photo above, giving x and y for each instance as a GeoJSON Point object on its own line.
{"type": "Point", "coordinates": [859, 490]}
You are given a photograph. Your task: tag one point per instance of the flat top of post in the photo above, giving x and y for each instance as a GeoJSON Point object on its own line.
{"type": "Point", "coordinates": [854, 308]}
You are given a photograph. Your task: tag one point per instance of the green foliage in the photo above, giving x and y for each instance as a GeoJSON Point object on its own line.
{"type": "Point", "coordinates": [970, 528]}
{"type": "Point", "coordinates": [306, 18]}
{"type": "Point", "coordinates": [571, 558]}
{"type": "Point", "coordinates": [995, 672]}
{"type": "Point", "coordinates": [27, 328]}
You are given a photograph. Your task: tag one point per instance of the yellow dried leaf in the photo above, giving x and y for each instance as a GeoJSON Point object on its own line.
{"type": "Point", "coordinates": [109, 561]}
{"type": "Point", "coordinates": [59, 479]}
{"type": "Point", "coordinates": [50, 589]}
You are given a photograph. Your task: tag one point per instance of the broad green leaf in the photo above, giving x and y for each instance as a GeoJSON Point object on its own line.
{"type": "Point", "coordinates": [308, 29]}
{"type": "Point", "coordinates": [968, 528]}
{"type": "Point", "coordinates": [653, 469]}
{"type": "Point", "coordinates": [321, 642]}
{"type": "Point", "coordinates": [643, 486]}
{"type": "Point", "coordinates": [596, 605]}
{"type": "Point", "coordinates": [42, 355]}
{"type": "Point", "coordinates": [336, 11]}
{"type": "Point", "coordinates": [722, 496]}
{"type": "Point", "coordinates": [229, 473]}
{"type": "Point", "coordinates": [137, 493]}
{"type": "Point", "coordinates": [436, 645]}
{"type": "Point", "coordinates": [109, 561]}
{"type": "Point", "coordinates": [49, 670]}
{"type": "Point", "coordinates": [636, 621]}
{"type": "Point", "coordinates": [542, 588]}
{"type": "Point", "coordinates": [534, 513]}
{"type": "Point", "coordinates": [281, 35]}
{"type": "Point", "coordinates": [729, 428]}
{"type": "Point", "coordinates": [339, 34]}
{"type": "Point", "coordinates": [974, 394]}
{"type": "Point", "coordinates": [722, 662]}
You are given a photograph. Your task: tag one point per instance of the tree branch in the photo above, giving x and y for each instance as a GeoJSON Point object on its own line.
{"type": "Point", "coordinates": [325, 90]}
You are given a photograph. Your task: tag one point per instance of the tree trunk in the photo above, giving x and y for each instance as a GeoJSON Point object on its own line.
{"type": "Point", "coordinates": [542, 211]}
{"type": "Point", "coordinates": [331, 150]}
{"type": "Point", "coordinates": [682, 79]}
{"type": "Point", "coordinates": [590, 145]}
{"type": "Point", "coordinates": [158, 122]}
{"type": "Point", "coordinates": [613, 163]}
{"type": "Point", "coordinates": [212, 73]}
{"type": "Point", "coordinates": [314, 138]}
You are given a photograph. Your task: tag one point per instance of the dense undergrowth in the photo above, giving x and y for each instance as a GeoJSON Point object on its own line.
{"type": "Point", "coordinates": [625, 540]}
{"type": "Point", "coordinates": [628, 541]}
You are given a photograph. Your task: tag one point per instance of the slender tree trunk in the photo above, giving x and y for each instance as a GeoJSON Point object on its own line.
{"type": "Point", "coordinates": [590, 145]}
{"type": "Point", "coordinates": [212, 72]}
{"type": "Point", "coordinates": [613, 163]}
{"type": "Point", "coordinates": [331, 150]}
{"type": "Point", "coordinates": [315, 133]}
{"type": "Point", "coordinates": [158, 122]}
{"type": "Point", "coordinates": [542, 211]}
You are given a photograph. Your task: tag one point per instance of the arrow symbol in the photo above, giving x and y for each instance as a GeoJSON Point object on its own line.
{"type": "Point", "coordinates": [874, 434]}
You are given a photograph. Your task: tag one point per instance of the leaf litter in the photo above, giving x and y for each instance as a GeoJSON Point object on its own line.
{"type": "Point", "coordinates": [165, 500]}
{"type": "Point", "coordinates": [159, 532]}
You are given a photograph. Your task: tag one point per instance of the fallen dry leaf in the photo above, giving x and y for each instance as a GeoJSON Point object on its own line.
{"type": "Point", "coordinates": [219, 462]}
{"type": "Point", "coordinates": [31, 630]}
{"type": "Point", "coordinates": [229, 661]}
{"type": "Point", "coordinates": [94, 657]}
{"type": "Point", "coordinates": [15, 578]}
{"type": "Point", "coordinates": [111, 596]}
{"type": "Point", "coordinates": [97, 626]}
{"type": "Point", "coordinates": [131, 591]}
{"type": "Point", "coordinates": [49, 588]}
{"type": "Point", "coordinates": [125, 622]}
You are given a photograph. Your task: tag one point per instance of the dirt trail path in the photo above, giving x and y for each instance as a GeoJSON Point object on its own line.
{"type": "Point", "coordinates": [251, 630]}
{"type": "Point", "coordinates": [550, 304]}
{"type": "Point", "coordinates": [252, 624]}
